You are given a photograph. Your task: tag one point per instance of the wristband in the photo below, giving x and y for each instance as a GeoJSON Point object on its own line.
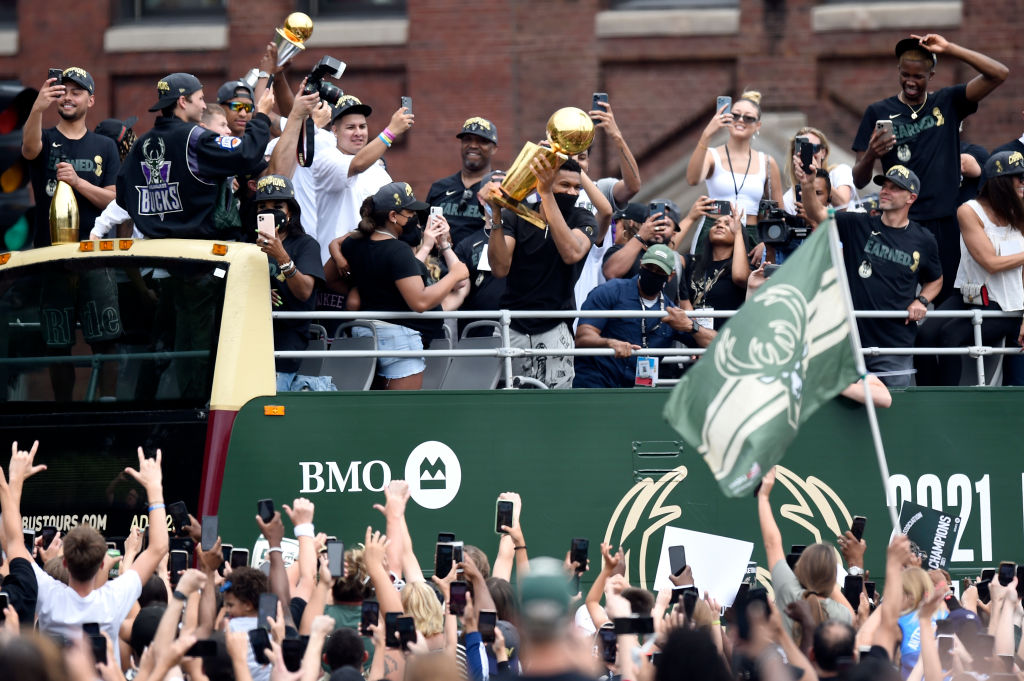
{"type": "Point", "coordinates": [304, 530]}
{"type": "Point", "coordinates": [155, 507]}
{"type": "Point", "coordinates": [272, 549]}
{"type": "Point", "coordinates": [445, 247]}
{"type": "Point", "coordinates": [385, 140]}
{"type": "Point", "coordinates": [637, 237]}
{"type": "Point", "coordinates": [390, 135]}
{"type": "Point", "coordinates": [180, 596]}
{"type": "Point", "coordinates": [521, 548]}
{"type": "Point", "coordinates": [290, 265]}
{"type": "Point", "coordinates": [290, 273]}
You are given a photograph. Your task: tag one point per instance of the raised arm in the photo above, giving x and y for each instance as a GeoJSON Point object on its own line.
{"type": "Point", "coordinates": [888, 632]}
{"type": "Point", "coordinates": [274, 533]}
{"type": "Point", "coordinates": [770, 534]}
{"type": "Point", "coordinates": [150, 476]}
{"type": "Point", "coordinates": [601, 203]}
{"type": "Point", "coordinates": [629, 185]}
{"type": "Point", "coordinates": [375, 148]}
{"type": "Point", "coordinates": [701, 161]}
{"type": "Point", "coordinates": [32, 131]}
{"type": "Point", "coordinates": [301, 514]}
{"type": "Point", "coordinates": [374, 556]}
{"type": "Point", "coordinates": [991, 72]}
{"type": "Point", "coordinates": [283, 160]}
{"type": "Point", "coordinates": [572, 244]}
{"type": "Point", "coordinates": [21, 469]}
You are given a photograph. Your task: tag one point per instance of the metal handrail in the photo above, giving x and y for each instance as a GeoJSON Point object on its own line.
{"type": "Point", "coordinates": [671, 355]}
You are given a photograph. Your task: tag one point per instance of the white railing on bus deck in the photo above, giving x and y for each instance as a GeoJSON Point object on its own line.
{"type": "Point", "coordinates": [672, 355]}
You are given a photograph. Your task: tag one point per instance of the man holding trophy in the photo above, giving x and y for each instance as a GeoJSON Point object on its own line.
{"type": "Point", "coordinates": [541, 253]}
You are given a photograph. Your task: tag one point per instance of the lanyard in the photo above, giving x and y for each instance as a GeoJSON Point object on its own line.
{"type": "Point", "coordinates": [750, 155]}
{"type": "Point", "coordinates": [643, 320]}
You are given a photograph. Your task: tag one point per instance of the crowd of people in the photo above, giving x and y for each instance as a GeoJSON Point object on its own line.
{"type": "Point", "coordinates": [309, 609]}
{"type": "Point", "coordinates": [305, 179]}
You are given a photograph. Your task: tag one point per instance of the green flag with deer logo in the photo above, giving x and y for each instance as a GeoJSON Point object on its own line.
{"type": "Point", "coordinates": [785, 353]}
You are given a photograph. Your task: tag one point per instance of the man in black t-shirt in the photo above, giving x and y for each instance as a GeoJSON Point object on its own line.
{"type": "Point", "coordinates": [926, 136]}
{"type": "Point", "coordinates": [542, 266]}
{"type": "Point", "coordinates": [886, 257]}
{"type": "Point", "coordinates": [456, 194]}
{"type": "Point", "coordinates": [68, 152]}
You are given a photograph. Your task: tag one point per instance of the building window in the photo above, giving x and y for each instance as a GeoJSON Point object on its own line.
{"type": "Point", "coordinates": [8, 12]}
{"type": "Point", "coordinates": [352, 8]}
{"type": "Point", "coordinates": [672, 4]}
{"type": "Point", "coordinates": [141, 10]}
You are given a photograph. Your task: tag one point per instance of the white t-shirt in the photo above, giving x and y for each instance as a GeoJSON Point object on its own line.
{"type": "Point", "coordinates": [340, 196]}
{"type": "Point", "coordinates": [840, 176]}
{"type": "Point", "coordinates": [259, 672]}
{"type": "Point", "coordinates": [592, 275]}
{"type": "Point", "coordinates": [62, 611]}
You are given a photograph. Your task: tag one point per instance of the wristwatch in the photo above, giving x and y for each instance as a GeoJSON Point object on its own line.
{"type": "Point", "coordinates": [696, 327]}
{"type": "Point", "coordinates": [924, 301]}
{"type": "Point", "coordinates": [855, 571]}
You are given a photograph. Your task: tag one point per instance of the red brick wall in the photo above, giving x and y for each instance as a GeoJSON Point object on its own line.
{"type": "Point", "coordinates": [515, 63]}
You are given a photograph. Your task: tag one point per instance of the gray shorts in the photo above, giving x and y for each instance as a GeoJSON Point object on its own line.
{"type": "Point", "coordinates": [554, 372]}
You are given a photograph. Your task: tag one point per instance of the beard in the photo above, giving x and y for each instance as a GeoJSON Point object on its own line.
{"type": "Point", "coordinates": [72, 115]}
{"type": "Point", "coordinates": [475, 163]}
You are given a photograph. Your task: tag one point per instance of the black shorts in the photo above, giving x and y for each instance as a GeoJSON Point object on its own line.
{"type": "Point", "coordinates": [88, 298]}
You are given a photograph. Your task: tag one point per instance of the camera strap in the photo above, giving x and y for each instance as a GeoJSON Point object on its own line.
{"type": "Point", "coordinates": [304, 149]}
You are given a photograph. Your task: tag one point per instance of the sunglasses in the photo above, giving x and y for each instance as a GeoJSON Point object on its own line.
{"type": "Point", "coordinates": [749, 120]}
{"type": "Point", "coordinates": [240, 106]}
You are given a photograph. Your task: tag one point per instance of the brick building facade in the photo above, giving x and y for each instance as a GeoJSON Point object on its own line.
{"type": "Point", "coordinates": [516, 61]}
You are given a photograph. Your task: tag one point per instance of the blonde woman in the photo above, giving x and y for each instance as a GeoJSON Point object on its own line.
{"type": "Point", "coordinates": [734, 171]}
{"type": "Point", "coordinates": [844, 193]}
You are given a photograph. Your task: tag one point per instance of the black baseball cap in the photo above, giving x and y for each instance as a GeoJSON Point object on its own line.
{"type": "Point", "coordinates": [274, 187]}
{"type": "Point", "coordinates": [114, 128]}
{"type": "Point", "coordinates": [1004, 163]}
{"type": "Point", "coordinates": [397, 196]}
{"type": "Point", "coordinates": [234, 89]}
{"type": "Point", "coordinates": [902, 177]}
{"type": "Point", "coordinates": [481, 127]}
{"type": "Point", "coordinates": [172, 86]}
{"type": "Point", "coordinates": [348, 104]}
{"type": "Point", "coordinates": [79, 77]}
{"type": "Point", "coordinates": [637, 212]}
{"type": "Point", "coordinates": [908, 44]}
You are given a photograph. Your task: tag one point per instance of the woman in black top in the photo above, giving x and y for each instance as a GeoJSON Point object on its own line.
{"type": "Point", "coordinates": [390, 278]}
{"type": "Point", "coordinates": [717, 278]}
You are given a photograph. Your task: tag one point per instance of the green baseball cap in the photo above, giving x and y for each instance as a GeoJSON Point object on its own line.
{"type": "Point", "coordinates": [660, 255]}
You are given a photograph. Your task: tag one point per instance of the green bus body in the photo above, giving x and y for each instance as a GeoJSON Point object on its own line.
{"type": "Point", "coordinates": [603, 464]}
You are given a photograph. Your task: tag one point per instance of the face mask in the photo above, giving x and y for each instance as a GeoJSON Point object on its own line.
{"type": "Point", "coordinates": [280, 219]}
{"type": "Point", "coordinates": [411, 232]}
{"type": "Point", "coordinates": [566, 202]}
{"type": "Point", "coordinates": [652, 283]}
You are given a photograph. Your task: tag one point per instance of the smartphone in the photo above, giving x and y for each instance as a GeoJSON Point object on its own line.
{"type": "Point", "coordinates": [852, 587]}
{"type": "Point", "coordinates": [268, 608]}
{"type": "Point", "coordinates": [179, 515]}
{"type": "Point", "coordinates": [756, 597]}
{"type": "Point", "coordinates": [791, 559]}
{"type": "Point", "coordinates": [30, 539]}
{"type": "Point", "coordinates": [206, 647]}
{"type": "Point", "coordinates": [436, 210]}
{"type": "Point", "coordinates": [797, 548]}
{"type": "Point", "coordinates": [4, 602]}
{"type": "Point", "coordinates": [292, 650]}
{"type": "Point", "coordinates": [225, 556]}
{"type": "Point", "coordinates": [178, 564]}
{"type": "Point", "coordinates": [265, 225]}
{"type": "Point", "coordinates": [239, 558]}
{"type": "Point", "coordinates": [457, 552]}
{"type": "Point", "coordinates": [445, 537]}
{"type": "Point", "coordinates": [1008, 661]}
{"type": "Point", "coordinates": [945, 651]}
{"type": "Point", "coordinates": [54, 74]}
{"type": "Point", "coordinates": [48, 534]}
{"type": "Point", "coordinates": [609, 644]}
{"type": "Point", "coordinates": [805, 150]}
{"type": "Point", "coordinates": [677, 559]}
{"type": "Point", "coordinates": [984, 595]}
{"type": "Point", "coordinates": [596, 106]}
{"type": "Point", "coordinates": [655, 208]}
{"type": "Point", "coordinates": [770, 269]}
{"type": "Point", "coordinates": [259, 641]}
{"type": "Point", "coordinates": [407, 104]}
{"type": "Point", "coordinates": [99, 648]}
{"type": "Point", "coordinates": [391, 629]}
{"type": "Point", "coordinates": [1007, 571]}
{"type": "Point", "coordinates": [1020, 581]}
{"type": "Point", "coordinates": [723, 102]}
{"type": "Point", "coordinates": [502, 515]}
{"type": "Point", "coordinates": [869, 587]}
{"type": "Point", "coordinates": [634, 625]}
{"type": "Point", "coordinates": [265, 507]}
{"type": "Point", "coordinates": [720, 208]}
{"type": "Point", "coordinates": [209, 539]}
{"type": "Point", "coordinates": [988, 573]}
{"type": "Point", "coordinates": [406, 631]}
{"type": "Point", "coordinates": [370, 615]}
{"type": "Point", "coordinates": [857, 527]}
{"type": "Point", "coordinates": [741, 593]}
{"type": "Point", "coordinates": [336, 558]}
{"type": "Point", "coordinates": [485, 625]}
{"type": "Point", "coordinates": [443, 559]}
{"type": "Point", "coordinates": [182, 544]}
{"type": "Point", "coordinates": [885, 127]}
{"type": "Point", "coordinates": [457, 597]}
{"type": "Point", "coordinates": [689, 602]}
{"type": "Point", "coordinates": [578, 553]}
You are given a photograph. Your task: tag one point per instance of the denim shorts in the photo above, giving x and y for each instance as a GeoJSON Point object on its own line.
{"type": "Point", "coordinates": [395, 337]}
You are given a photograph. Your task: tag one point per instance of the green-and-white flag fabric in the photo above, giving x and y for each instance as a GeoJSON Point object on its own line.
{"type": "Point", "coordinates": [786, 352]}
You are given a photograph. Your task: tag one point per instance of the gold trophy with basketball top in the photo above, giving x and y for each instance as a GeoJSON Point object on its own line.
{"type": "Point", "coordinates": [290, 38]}
{"type": "Point", "coordinates": [569, 132]}
{"type": "Point", "coordinates": [63, 215]}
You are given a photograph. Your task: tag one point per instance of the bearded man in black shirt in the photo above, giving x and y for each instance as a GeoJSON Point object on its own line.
{"type": "Point", "coordinates": [542, 266]}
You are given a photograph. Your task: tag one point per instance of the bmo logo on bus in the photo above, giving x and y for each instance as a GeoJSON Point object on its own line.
{"type": "Point", "coordinates": [432, 470]}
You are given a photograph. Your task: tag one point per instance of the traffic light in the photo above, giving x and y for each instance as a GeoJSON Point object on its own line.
{"type": "Point", "coordinates": [15, 199]}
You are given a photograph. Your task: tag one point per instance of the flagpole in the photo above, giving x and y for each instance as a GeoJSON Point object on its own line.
{"type": "Point", "coordinates": [858, 358]}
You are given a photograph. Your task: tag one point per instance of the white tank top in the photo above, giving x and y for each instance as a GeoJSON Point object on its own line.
{"type": "Point", "coordinates": [723, 185]}
{"type": "Point", "coordinates": [1006, 287]}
